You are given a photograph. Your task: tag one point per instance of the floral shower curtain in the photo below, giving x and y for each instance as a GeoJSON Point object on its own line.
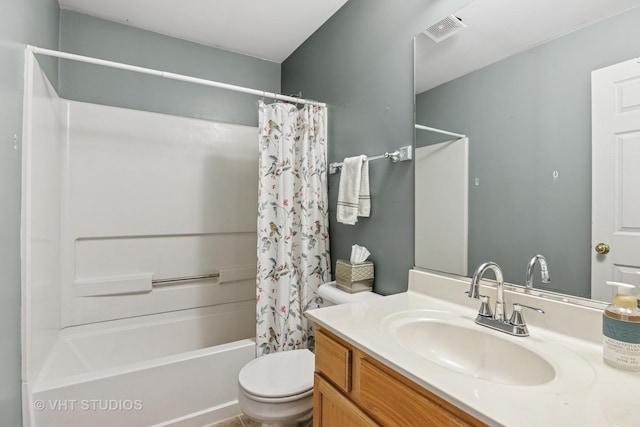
{"type": "Point", "coordinates": [293, 224]}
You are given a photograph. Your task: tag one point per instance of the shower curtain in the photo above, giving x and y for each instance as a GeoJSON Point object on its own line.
{"type": "Point", "coordinates": [293, 224]}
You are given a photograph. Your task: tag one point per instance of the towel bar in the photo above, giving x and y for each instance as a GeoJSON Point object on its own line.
{"type": "Point", "coordinates": [400, 155]}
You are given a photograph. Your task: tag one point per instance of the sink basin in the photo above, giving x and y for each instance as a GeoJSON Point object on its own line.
{"type": "Point", "coordinates": [472, 351]}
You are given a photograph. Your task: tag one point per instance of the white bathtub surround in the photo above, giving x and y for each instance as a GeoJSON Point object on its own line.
{"type": "Point", "coordinates": [583, 392]}
{"type": "Point", "coordinates": [293, 237]}
{"type": "Point", "coordinates": [156, 370]}
{"type": "Point", "coordinates": [442, 211]}
{"type": "Point", "coordinates": [44, 130]}
{"type": "Point", "coordinates": [115, 203]}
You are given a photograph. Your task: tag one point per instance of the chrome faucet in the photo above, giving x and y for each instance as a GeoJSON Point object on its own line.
{"type": "Point", "coordinates": [515, 325]}
{"type": "Point", "coordinates": [544, 270]}
{"type": "Point", "coordinates": [474, 290]}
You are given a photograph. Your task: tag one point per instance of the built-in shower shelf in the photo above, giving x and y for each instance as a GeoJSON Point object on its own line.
{"type": "Point", "coordinates": [133, 284]}
{"type": "Point", "coordinates": [142, 283]}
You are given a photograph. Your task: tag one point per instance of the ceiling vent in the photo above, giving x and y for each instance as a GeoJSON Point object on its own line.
{"type": "Point", "coordinates": [444, 28]}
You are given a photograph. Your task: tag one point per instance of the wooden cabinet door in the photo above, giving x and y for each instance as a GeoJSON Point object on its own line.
{"type": "Point", "coordinates": [332, 409]}
{"type": "Point", "coordinates": [333, 360]}
{"type": "Point", "coordinates": [353, 389]}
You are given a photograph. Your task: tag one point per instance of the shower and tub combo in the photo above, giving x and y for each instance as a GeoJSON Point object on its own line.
{"type": "Point", "coordinates": [139, 263]}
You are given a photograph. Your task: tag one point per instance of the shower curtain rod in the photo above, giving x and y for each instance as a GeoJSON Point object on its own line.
{"type": "Point", "coordinates": [440, 131]}
{"type": "Point", "coordinates": [172, 76]}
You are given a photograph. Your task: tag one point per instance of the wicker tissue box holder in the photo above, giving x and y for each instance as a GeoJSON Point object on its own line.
{"type": "Point", "coordinates": [354, 277]}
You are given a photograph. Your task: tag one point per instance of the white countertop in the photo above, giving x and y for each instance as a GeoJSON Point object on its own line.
{"type": "Point", "coordinates": [585, 391]}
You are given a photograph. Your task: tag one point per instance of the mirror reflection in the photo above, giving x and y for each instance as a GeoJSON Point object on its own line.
{"type": "Point", "coordinates": [519, 87]}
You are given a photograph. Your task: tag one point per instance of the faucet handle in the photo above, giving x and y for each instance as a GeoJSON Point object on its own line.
{"type": "Point", "coordinates": [516, 317]}
{"type": "Point", "coordinates": [485, 308]}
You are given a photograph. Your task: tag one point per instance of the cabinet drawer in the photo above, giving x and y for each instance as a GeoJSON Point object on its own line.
{"type": "Point", "coordinates": [333, 360]}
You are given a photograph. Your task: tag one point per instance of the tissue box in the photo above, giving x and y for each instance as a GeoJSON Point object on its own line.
{"type": "Point", "coordinates": [354, 277]}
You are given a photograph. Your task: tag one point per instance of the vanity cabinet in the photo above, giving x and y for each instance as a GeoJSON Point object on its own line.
{"type": "Point", "coordinates": [354, 389]}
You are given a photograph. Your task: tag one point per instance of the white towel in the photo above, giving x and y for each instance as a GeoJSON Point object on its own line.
{"type": "Point", "coordinates": [364, 199]}
{"type": "Point", "coordinates": [353, 192]}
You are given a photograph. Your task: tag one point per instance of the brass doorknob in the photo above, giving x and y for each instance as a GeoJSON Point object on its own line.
{"type": "Point", "coordinates": [602, 248]}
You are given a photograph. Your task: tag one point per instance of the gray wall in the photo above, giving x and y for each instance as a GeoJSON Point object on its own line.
{"type": "Point", "coordinates": [33, 22]}
{"type": "Point", "coordinates": [527, 116]}
{"type": "Point", "coordinates": [361, 64]}
{"type": "Point", "coordinates": [95, 37]}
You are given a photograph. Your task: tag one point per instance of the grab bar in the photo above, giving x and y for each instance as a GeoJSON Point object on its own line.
{"type": "Point", "coordinates": [184, 279]}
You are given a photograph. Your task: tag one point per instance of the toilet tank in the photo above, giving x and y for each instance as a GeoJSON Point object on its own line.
{"type": "Point", "coordinates": [334, 296]}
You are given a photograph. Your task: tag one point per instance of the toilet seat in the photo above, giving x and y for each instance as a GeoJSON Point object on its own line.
{"type": "Point", "coordinates": [281, 377]}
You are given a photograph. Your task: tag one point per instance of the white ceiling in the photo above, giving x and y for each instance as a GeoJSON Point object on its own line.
{"type": "Point", "coordinates": [497, 29]}
{"type": "Point", "coordinates": [269, 30]}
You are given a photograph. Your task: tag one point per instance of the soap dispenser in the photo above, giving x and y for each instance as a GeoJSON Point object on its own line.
{"type": "Point", "coordinates": [621, 329]}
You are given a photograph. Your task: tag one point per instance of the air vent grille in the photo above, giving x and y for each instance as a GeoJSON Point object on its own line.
{"type": "Point", "coordinates": [444, 28]}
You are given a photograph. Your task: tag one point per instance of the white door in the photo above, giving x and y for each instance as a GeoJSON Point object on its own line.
{"type": "Point", "coordinates": [615, 107]}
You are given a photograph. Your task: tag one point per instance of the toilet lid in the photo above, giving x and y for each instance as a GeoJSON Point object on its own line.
{"type": "Point", "coordinates": [279, 374]}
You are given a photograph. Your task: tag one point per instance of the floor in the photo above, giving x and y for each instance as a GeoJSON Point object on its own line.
{"type": "Point", "coordinates": [240, 421]}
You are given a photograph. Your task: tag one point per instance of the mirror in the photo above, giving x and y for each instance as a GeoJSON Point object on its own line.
{"type": "Point", "coordinates": [517, 82]}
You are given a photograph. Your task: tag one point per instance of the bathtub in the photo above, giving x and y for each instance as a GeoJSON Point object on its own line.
{"type": "Point", "coordinates": [177, 369]}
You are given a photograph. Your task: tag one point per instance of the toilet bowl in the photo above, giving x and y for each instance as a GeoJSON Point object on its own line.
{"type": "Point", "coordinates": [277, 389]}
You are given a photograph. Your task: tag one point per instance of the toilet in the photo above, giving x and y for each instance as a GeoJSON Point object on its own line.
{"type": "Point", "coordinates": [277, 389]}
